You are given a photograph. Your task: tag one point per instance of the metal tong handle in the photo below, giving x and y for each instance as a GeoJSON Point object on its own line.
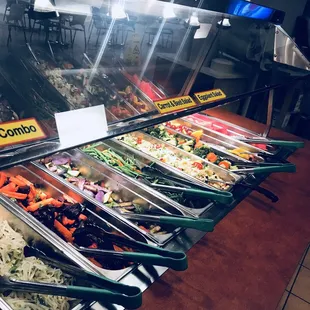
{"type": "Point", "coordinates": [276, 168]}
{"type": "Point", "coordinates": [176, 262]}
{"type": "Point", "coordinates": [185, 222]}
{"type": "Point", "coordinates": [88, 60]}
{"type": "Point", "coordinates": [220, 196]}
{"type": "Point", "coordinates": [285, 143]}
{"type": "Point", "coordinates": [32, 53]}
{"type": "Point", "coordinates": [172, 259]}
{"type": "Point", "coordinates": [90, 277]}
{"type": "Point", "coordinates": [79, 292]}
{"type": "Point", "coordinates": [148, 170]}
{"type": "Point", "coordinates": [267, 193]}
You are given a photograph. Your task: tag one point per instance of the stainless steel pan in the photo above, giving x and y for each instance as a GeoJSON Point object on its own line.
{"type": "Point", "coordinates": [124, 188]}
{"type": "Point", "coordinates": [99, 217]}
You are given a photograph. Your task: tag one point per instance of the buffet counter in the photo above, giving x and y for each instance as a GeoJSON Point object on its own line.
{"type": "Point", "coordinates": [249, 259]}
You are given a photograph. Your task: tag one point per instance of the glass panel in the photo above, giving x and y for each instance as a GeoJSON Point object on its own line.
{"type": "Point", "coordinates": [287, 52]}
{"type": "Point", "coordinates": [71, 55]}
{"type": "Point", "coordinates": [242, 58]}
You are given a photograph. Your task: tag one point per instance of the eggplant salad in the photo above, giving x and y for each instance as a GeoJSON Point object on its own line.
{"type": "Point", "coordinates": [63, 166]}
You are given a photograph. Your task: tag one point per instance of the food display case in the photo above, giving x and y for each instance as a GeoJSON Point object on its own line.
{"type": "Point", "coordinates": [107, 153]}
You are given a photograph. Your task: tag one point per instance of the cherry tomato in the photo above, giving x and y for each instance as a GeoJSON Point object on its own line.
{"type": "Point", "coordinates": [139, 140]}
{"type": "Point", "coordinates": [198, 165]}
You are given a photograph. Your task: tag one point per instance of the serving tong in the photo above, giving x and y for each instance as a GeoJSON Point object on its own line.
{"type": "Point", "coordinates": [263, 167]}
{"type": "Point", "coordinates": [175, 220]}
{"type": "Point", "coordinates": [284, 143]}
{"type": "Point", "coordinates": [219, 196]}
{"type": "Point", "coordinates": [107, 290]}
{"type": "Point", "coordinates": [171, 219]}
{"type": "Point", "coordinates": [147, 254]}
{"type": "Point", "coordinates": [188, 187]}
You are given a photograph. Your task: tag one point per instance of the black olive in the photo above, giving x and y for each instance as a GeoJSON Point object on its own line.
{"type": "Point", "coordinates": [38, 185]}
{"type": "Point", "coordinates": [87, 235]}
{"type": "Point", "coordinates": [83, 238]}
{"type": "Point", "coordinates": [112, 264]}
{"type": "Point", "coordinates": [72, 212]}
{"type": "Point", "coordinates": [24, 202]}
{"type": "Point", "coordinates": [24, 189]}
{"type": "Point", "coordinates": [46, 215]}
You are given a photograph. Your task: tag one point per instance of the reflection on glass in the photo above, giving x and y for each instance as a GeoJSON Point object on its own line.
{"type": "Point", "coordinates": [168, 12]}
{"type": "Point", "coordinates": [128, 54]}
{"type": "Point", "coordinates": [118, 11]}
{"type": "Point", "coordinates": [251, 10]}
{"type": "Point", "coordinates": [193, 20]}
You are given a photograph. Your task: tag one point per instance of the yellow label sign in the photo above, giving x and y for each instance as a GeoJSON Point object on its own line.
{"type": "Point", "coordinates": [210, 96]}
{"type": "Point", "coordinates": [20, 131]}
{"type": "Point", "coordinates": [174, 104]}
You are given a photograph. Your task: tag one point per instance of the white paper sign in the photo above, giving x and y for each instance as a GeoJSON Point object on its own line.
{"type": "Point", "coordinates": [81, 126]}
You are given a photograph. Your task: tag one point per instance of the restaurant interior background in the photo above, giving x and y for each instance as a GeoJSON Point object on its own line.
{"type": "Point", "coordinates": [291, 113]}
{"type": "Point", "coordinates": [49, 64]}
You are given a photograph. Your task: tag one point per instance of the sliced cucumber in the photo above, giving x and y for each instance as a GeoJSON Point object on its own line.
{"type": "Point", "coordinates": [73, 173]}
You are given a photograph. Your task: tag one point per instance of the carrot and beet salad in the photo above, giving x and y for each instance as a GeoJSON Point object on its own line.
{"type": "Point", "coordinates": [60, 214]}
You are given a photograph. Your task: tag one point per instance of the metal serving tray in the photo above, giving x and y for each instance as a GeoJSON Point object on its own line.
{"type": "Point", "coordinates": [95, 171]}
{"type": "Point", "coordinates": [141, 162]}
{"type": "Point", "coordinates": [26, 84]}
{"type": "Point", "coordinates": [225, 175]}
{"type": "Point", "coordinates": [24, 102]}
{"type": "Point", "coordinates": [99, 81]}
{"type": "Point", "coordinates": [221, 147]}
{"type": "Point", "coordinates": [121, 82]}
{"type": "Point", "coordinates": [66, 105]}
{"type": "Point", "coordinates": [220, 141]}
{"type": "Point", "coordinates": [4, 305]}
{"type": "Point", "coordinates": [157, 89]}
{"type": "Point", "coordinates": [240, 132]}
{"type": "Point", "coordinates": [38, 238]}
{"type": "Point", "coordinates": [99, 217]}
{"type": "Point", "coordinates": [221, 151]}
{"type": "Point", "coordinates": [205, 122]}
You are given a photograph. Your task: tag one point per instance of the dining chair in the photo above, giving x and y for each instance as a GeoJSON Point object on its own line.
{"type": "Point", "coordinates": [166, 35]}
{"type": "Point", "coordinates": [16, 20]}
{"type": "Point", "coordinates": [8, 6]}
{"type": "Point", "coordinates": [76, 23]}
{"type": "Point", "coordinates": [98, 22]}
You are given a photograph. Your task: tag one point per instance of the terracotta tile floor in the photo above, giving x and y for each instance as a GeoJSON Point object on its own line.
{"type": "Point", "coordinates": [297, 293]}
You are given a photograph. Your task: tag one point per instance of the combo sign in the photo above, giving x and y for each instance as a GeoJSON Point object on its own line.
{"type": "Point", "coordinates": [20, 131]}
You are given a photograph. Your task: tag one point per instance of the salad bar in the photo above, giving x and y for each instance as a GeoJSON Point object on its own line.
{"type": "Point", "coordinates": [113, 205]}
{"type": "Point", "coordinates": [95, 225]}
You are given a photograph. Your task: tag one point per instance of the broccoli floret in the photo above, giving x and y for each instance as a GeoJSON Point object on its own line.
{"type": "Point", "coordinates": [202, 151]}
{"type": "Point", "coordinates": [138, 209]}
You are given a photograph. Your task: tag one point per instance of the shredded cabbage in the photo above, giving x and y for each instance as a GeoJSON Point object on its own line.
{"type": "Point", "coordinates": [14, 265]}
